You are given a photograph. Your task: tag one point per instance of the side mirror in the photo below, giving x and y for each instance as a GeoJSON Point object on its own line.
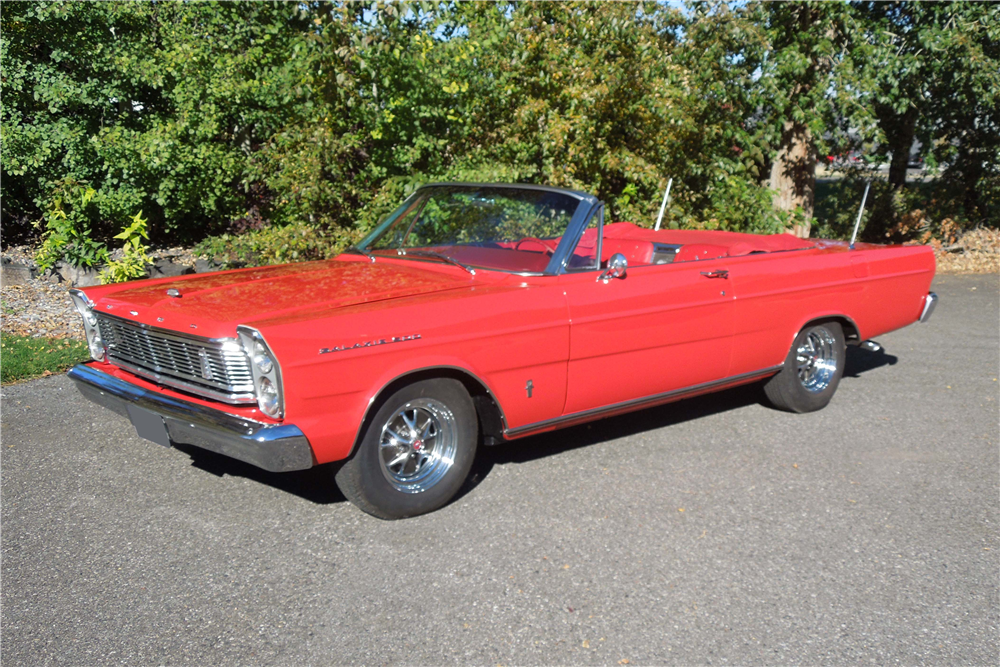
{"type": "Point", "coordinates": [617, 266]}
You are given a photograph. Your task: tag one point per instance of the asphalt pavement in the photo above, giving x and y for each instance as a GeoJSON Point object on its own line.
{"type": "Point", "coordinates": [711, 531]}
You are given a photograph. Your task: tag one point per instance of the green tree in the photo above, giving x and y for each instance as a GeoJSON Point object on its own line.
{"type": "Point", "coordinates": [930, 72]}
{"type": "Point", "coordinates": [805, 41]}
{"type": "Point", "coordinates": [155, 106]}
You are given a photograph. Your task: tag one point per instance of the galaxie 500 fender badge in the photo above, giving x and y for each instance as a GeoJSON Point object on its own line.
{"type": "Point", "coordinates": [369, 343]}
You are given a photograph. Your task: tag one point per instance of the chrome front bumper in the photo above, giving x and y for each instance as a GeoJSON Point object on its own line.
{"type": "Point", "coordinates": [277, 448]}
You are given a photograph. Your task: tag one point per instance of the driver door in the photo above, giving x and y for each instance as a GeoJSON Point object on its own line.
{"type": "Point", "coordinates": [658, 329]}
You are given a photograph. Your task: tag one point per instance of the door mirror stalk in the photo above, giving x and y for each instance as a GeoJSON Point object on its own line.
{"type": "Point", "coordinates": [617, 267]}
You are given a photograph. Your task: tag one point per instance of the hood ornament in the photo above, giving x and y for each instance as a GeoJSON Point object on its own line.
{"type": "Point", "coordinates": [173, 293]}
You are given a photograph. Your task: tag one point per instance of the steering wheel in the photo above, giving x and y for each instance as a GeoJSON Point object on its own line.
{"type": "Point", "coordinates": [531, 239]}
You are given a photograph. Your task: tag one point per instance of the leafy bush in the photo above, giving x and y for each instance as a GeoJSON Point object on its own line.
{"type": "Point", "coordinates": [317, 118]}
{"type": "Point", "coordinates": [920, 211]}
{"type": "Point", "coordinates": [134, 259]}
{"type": "Point", "coordinates": [67, 232]}
{"type": "Point", "coordinates": [274, 245]}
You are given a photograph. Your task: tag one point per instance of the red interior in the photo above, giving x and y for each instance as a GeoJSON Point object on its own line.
{"type": "Point", "coordinates": [530, 255]}
{"type": "Point", "coordinates": [735, 243]}
{"type": "Point", "coordinates": [636, 243]}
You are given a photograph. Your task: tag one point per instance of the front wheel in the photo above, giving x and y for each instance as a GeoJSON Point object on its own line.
{"type": "Point", "coordinates": [415, 453]}
{"type": "Point", "coordinates": [812, 369]}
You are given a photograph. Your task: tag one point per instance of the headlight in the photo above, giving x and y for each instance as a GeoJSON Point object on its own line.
{"type": "Point", "coordinates": [267, 397]}
{"type": "Point", "coordinates": [266, 372]}
{"type": "Point", "coordinates": [261, 359]}
{"type": "Point", "coordinates": [86, 308]}
{"type": "Point", "coordinates": [96, 347]}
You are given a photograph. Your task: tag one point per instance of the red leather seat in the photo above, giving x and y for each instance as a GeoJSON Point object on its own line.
{"type": "Point", "coordinates": [638, 253]}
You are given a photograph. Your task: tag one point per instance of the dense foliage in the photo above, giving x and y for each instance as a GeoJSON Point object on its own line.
{"type": "Point", "coordinates": [290, 128]}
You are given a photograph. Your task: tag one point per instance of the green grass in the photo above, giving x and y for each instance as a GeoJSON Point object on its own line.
{"type": "Point", "coordinates": [23, 357]}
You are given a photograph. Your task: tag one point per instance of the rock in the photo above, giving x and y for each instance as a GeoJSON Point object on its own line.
{"type": "Point", "coordinates": [78, 276]}
{"type": "Point", "coordinates": [206, 265]}
{"type": "Point", "coordinates": [12, 273]}
{"type": "Point", "coordinates": [164, 268]}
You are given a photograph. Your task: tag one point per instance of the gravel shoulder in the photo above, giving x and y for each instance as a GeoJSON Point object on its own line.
{"type": "Point", "coordinates": [710, 531]}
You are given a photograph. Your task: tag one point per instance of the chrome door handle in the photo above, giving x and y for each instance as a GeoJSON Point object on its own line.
{"type": "Point", "coordinates": [721, 273]}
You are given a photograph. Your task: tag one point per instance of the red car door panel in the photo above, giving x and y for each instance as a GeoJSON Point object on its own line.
{"type": "Point", "coordinates": [658, 329]}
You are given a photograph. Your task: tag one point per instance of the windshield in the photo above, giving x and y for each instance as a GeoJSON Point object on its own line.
{"type": "Point", "coordinates": [491, 227]}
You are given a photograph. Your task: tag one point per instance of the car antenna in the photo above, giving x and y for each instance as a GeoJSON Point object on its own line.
{"type": "Point", "coordinates": [857, 222]}
{"type": "Point", "coordinates": [663, 206]}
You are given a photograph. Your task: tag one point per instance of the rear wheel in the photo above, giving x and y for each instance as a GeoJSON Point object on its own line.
{"type": "Point", "coordinates": [812, 369]}
{"type": "Point", "coordinates": [415, 453]}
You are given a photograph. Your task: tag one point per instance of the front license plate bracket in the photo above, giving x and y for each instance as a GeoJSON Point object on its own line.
{"type": "Point", "coordinates": [149, 425]}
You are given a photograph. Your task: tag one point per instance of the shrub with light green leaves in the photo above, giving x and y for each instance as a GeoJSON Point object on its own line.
{"type": "Point", "coordinates": [135, 257]}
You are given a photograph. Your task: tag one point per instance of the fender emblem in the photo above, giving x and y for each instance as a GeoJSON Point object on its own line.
{"type": "Point", "coordinates": [369, 343]}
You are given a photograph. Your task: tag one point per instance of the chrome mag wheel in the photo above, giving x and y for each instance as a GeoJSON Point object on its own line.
{"type": "Point", "coordinates": [418, 444]}
{"type": "Point", "coordinates": [816, 360]}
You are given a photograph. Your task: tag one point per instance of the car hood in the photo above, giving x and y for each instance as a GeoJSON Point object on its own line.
{"type": "Point", "coordinates": [212, 305]}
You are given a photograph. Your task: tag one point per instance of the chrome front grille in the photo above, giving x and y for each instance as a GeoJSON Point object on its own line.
{"type": "Point", "coordinates": [213, 368]}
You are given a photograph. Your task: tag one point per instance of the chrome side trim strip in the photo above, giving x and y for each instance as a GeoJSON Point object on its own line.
{"type": "Point", "coordinates": [639, 403]}
{"type": "Point", "coordinates": [930, 301]}
{"type": "Point", "coordinates": [273, 447]}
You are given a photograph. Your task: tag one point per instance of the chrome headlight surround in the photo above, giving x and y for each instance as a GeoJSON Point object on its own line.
{"type": "Point", "coordinates": [86, 309]}
{"type": "Point", "coordinates": [266, 372]}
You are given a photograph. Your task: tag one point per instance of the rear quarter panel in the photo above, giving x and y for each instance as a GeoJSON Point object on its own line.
{"type": "Point", "coordinates": [880, 288]}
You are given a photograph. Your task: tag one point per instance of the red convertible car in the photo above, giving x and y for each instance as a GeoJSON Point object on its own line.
{"type": "Point", "coordinates": [476, 314]}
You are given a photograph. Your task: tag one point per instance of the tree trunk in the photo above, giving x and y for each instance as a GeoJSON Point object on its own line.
{"type": "Point", "coordinates": [899, 131]}
{"type": "Point", "coordinates": [793, 175]}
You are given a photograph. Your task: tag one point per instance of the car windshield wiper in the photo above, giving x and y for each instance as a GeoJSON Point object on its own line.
{"type": "Point", "coordinates": [438, 255]}
{"type": "Point", "coordinates": [358, 251]}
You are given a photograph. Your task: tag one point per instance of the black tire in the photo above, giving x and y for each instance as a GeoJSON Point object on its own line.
{"type": "Point", "coordinates": [807, 383]}
{"type": "Point", "coordinates": [415, 453]}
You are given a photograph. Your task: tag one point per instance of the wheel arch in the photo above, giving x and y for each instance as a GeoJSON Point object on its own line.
{"type": "Point", "coordinates": [852, 334]}
{"type": "Point", "coordinates": [492, 422]}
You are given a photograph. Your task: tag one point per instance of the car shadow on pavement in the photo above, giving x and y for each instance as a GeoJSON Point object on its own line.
{"type": "Point", "coordinates": [316, 485]}
{"type": "Point", "coordinates": [861, 360]}
{"type": "Point", "coordinates": [612, 428]}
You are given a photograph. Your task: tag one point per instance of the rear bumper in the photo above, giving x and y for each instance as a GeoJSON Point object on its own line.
{"type": "Point", "coordinates": [929, 302]}
{"type": "Point", "coordinates": [277, 448]}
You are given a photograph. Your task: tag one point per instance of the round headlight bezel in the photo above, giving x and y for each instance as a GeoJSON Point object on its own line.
{"type": "Point", "coordinates": [90, 324]}
{"type": "Point", "coordinates": [267, 398]}
{"type": "Point", "coordinates": [266, 370]}
{"type": "Point", "coordinates": [97, 348]}
{"type": "Point", "coordinates": [261, 358]}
